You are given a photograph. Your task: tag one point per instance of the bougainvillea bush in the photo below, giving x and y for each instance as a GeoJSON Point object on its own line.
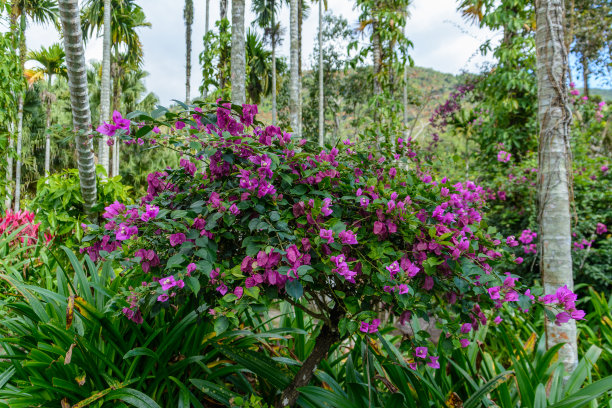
{"type": "Point", "coordinates": [251, 217]}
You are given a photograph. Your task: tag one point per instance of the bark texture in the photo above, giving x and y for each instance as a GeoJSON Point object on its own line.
{"type": "Point", "coordinates": [188, 16]}
{"type": "Point", "coordinates": [377, 58]}
{"type": "Point", "coordinates": [22, 56]}
{"type": "Point", "coordinates": [321, 95]}
{"type": "Point", "coordinates": [206, 20]}
{"type": "Point", "coordinates": [273, 34]}
{"type": "Point", "coordinates": [105, 88]}
{"type": "Point", "coordinates": [326, 338]}
{"type": "Point", "coordinates": [554, 165]}
{"type": "Point", "coordinates": [17, 197]}
{"type": "Point", "coordinates": [294, 71]}
{"type": "Point", "coordinates": [79, 99]}
{"type": "Point", "coordinates": [238, 68]}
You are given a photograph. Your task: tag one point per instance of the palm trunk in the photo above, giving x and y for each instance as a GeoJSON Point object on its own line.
{"type": "Point", "coordinates": [47, 135]}
{"type": "Point", "coordinates": [321, 96]}
{"type": "Point", "coordinates": [11, 137]}
{"type": "Point", "coordinates": [206, 19]}
{"type": "Point", "coordinates": [17, 197]}
{"type": "Point", "coordinates": [554, 165]}
{"type": "Point", "coordinates": [79, 99]}
{"type": "Point", "coordinates": [223, 56]}
{"type": "Point", "coordinates": [294, 72]}
{"type": "Point", "coordinates": [585, 76]}
{"type": "Point", "coordinates": [22, 55]}
{"type": "Point", "coordinates": [299, 34]}
{"type": "Point", "coordinates": [273, 33]}
{"type": "Point", "coordinates": [238, 68]}
{"type": "Point", "coordinates": [188, 15]}
{"type": "Point", "coordinates": [377, 58]}
{"type": "Point", "coordinates": [105, 88]}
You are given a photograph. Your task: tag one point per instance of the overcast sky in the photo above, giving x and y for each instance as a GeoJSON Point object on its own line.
{"type": "Point", "coordinates": [442, 40]}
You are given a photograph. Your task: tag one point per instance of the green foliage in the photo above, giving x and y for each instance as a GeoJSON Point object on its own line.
{"type": "Point", "coordinates": [59, 206]}
{"type": "Point", "coordinates": [63, 343]}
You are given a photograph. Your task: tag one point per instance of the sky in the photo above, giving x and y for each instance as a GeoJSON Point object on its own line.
{"type": "Point", "coordinates": [442, 40]}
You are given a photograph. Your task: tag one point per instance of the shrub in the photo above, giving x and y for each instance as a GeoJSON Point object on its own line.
{"type": "Point", "coordinates": [251, 217]}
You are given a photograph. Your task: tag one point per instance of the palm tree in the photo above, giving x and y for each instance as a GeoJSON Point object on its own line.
{"type": "Point", "coordinates": [39, 11]}
{"type": "Point", "coordinates": [77, 83]}
{"type": "Point", "coordinates": [262, 73]}
{"type": "Point", "coordinates": [188, 16]}
{"type": "Point", "coordinates": [238, 61]}
{"type": "Point", "coordinates": [266, 11]}
{"type": "Point", "coordinates": [126, 17]}
{"type": "Point", "coordinates": [52, 61]}
{"type": "Point", "coordinates": [105, 91]}
{"type": "Point", "coordinates": [554, 187]}
{"type": "Point", "coordinates": [321, 95]}
{"type": "Point", "coordinates": [294, 89]}
{"type": "Point", "coordinates": [206, 28]}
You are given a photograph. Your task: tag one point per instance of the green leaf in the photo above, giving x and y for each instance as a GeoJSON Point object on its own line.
{"type": "Point", "coordinates": [132, 397]}
{"type": "Point", "coordinates": [294, 289]}
{"type": "Point", "coordinates": [475, 399]}
{"type": "Point", "coordinates": [221, 325]}
{"type": "Point", "coordinates": [586, 395]}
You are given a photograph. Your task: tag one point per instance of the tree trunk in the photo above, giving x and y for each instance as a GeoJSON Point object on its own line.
{"type": "Point", "coordinates": [273, 32]}
{"type": "Point", "coordinates": [554, 165]}
{"type": "Point", "coordinates": [299, 34]}
{"type": "Point", "coordinates": [377, 58]}
{"type": "Point", "coordinates": [17, 196]}
{"type": "Point", "coordinates": [105, 88]}
{"type": "Point", "coordinates": [188, 15]}
{"type": "Point", "coordinates": [326, 338]}
{"type": "Point", "coordinates": [585, 77]}
{"type": "Point", "coordinates": [321, 95]}
{"type": "Point", "coordinates": [206, 20]}
{"type": "Point", "coordinates": [238, 67]}
{"type": "Point", "coordinates": [294, 72]}
{"type": "Point", "coordinates": [22, 56]}
{"type": "Point", "coordinates": [47, 135]}
{"type": "Point", "coordinates": [405, 89]}
{"type": "Point", "coordinates": [79, 99]}
{"type": "Point", "coordinates": [222, 9]}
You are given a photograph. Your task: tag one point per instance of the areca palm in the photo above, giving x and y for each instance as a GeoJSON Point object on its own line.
{"type": "Point", "coordinates": [39, 11]}
{"type": "Point", "coordinates": [260, 69]}
{"type": "Point", "coordinates": [238, 61]}
{"type": "Point", "coordinates": [77, 82]}
{"type": "Point", "coordinates": [321, 96]}
{"type": "Point", "coordinates": [52, 61]}
{"type": "Point", "coordinates": [125, 18]}
{"type": "Point", "coordinates": [266, 12]}
{"type": "Point", "coordinates": [188, 16]}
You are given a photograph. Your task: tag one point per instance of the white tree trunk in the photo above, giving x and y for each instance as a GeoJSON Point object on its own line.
{"type": "Point", "coordinates": [321, 96]}
{"type": "Point", "coordinates": [9, 171]}
{"type": "Point", "coordinates": [294, 72]}
{"type": "Point", "coordinates": [238, 69]}
{"type": "Point", "coordinates": [272, 26]}
{"type": "Point", "coordinates": [188, 15]}
{"type": "Point", "coordinates": [116, 148]}
{"type": "Point", "coordinates": [554, 164]}
{"type": "Point", "coordinates": [48, 136]}
{"type": "Point", "coordinates": [105, 88]}
{"type": "Point", "coordinates": [17, 198]}
{"type": "Point", "coordinates": [79, 99]}
{"type": "Point", "coordinates": [206, 25]}
{"type": "Point", "coordinates": [376, 57]}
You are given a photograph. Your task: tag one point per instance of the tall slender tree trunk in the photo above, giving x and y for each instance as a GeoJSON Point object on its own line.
{"type": "Point", "coordinates": [11, 137]}
{"type": "Point", "coordinates": [17, 196]}
{"type": "Point", "coordinates": [20, 102]}
{"type": "Point", "coordinates": [321, 95]}
{"type": "Point", "coordinates": [79, 99]}
{"type": "Point", "coordinates": [206, 26]}
{"type": "Point", "coordinates": [299, 34]}
{"type": "Point", "coordinates": [223, 57]}
{"type": "Point", "coordinates": [377, 58]}
{"type": "Point", "coordinates": [48, 100]}
{"type": "Point", "coordinates": [238, 68]}
{"type": "Point", "coordinates": [188, 15]}
{"type": "Point", "coordinates": [294, 71]}
{"type": "Point", "coordinates": [585, 76]}
{"type": "Point", "coordinates": [405, 88]}
{"type": "Point", "coordinates": [554, 166]}
{"type": "Point", "coordinates": [273, 33]}
{"type": "Point", "coordinates": [105, 88]}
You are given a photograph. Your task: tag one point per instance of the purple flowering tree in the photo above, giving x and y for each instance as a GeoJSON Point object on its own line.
{"type": "Point", "coordinates": [250, 218]}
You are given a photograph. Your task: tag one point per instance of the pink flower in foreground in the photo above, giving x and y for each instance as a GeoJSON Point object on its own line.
{"type": "Point", "coordinates": [420, 352]}
{"type": "Point", "coordinates": [601, 229]}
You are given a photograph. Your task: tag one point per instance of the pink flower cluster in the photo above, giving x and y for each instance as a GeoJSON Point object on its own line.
{"type": "Point", "coordinates": [565, 300]}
